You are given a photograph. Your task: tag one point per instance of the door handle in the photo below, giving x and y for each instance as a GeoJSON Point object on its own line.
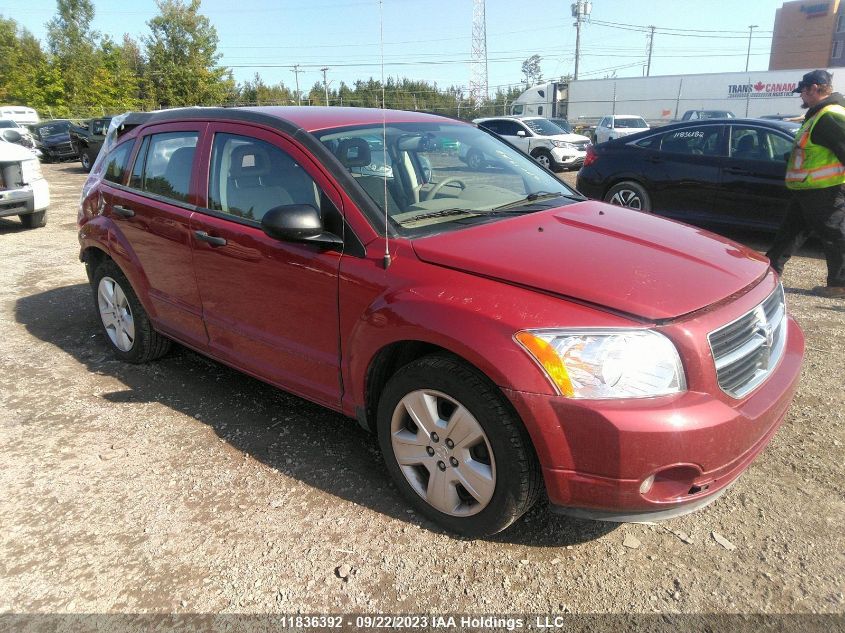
{"type": "Point", "coordinates": [123, 211]}
{"type": "Point", "coordinates": [202, 236]}
{"type": "Point", "coordinates": [737, 171]}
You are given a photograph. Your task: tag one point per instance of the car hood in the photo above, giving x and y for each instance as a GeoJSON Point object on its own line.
{"type": "Point", "coordinates": [627, 131]}
{"type": "Point", "coordinates": [55, 139]}
{"type": "Point", "coordinates": [10, 152]}
{"type": "Point", "coordinates": [570, 138]}
{"type": "Point", "coordinates": [614, 257]}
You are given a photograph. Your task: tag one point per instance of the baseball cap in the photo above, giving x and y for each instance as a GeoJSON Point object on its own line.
{"type": "Point", "coordinates": [818, 77]}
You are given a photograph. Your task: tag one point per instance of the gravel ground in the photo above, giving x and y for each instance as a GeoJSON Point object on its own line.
{"type": "Point", "coordinates": [184, 486]}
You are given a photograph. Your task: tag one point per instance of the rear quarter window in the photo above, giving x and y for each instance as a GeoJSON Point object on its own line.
{"type": "Point", "coordinates": [116, 162]}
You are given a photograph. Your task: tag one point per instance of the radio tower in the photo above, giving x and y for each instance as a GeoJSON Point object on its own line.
{"type": "Point", "coordinates": [478, 89]}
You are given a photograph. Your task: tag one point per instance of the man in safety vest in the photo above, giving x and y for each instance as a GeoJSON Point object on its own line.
{"type": "Point", "coordinates": [816, 175]}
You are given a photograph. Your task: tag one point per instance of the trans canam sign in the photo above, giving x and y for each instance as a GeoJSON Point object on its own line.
{"type": "Point", "coordinates": [761, 90]}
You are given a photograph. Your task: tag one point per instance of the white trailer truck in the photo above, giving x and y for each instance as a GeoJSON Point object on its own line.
{"type": "Point", "coordinates": [665, 98]}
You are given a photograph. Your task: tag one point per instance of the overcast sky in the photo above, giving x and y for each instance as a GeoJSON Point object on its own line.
{"type": "Point", "coordinates": [432, 39]}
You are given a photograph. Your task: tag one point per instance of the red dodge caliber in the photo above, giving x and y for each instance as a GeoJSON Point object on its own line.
{"type": "Point", "coordinates": [502, 336]}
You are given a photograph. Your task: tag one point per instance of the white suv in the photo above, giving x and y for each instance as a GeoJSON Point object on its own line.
{"type": "Point", "coordinates": [23, 189]}
{"type": "Point", "coordinates": [616, 125]}
{"type": "Point", "coordinates": [536, 136]}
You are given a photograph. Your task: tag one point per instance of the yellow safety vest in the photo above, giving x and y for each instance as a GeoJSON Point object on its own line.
{"type": "Point", "coordinates": [813, 166]}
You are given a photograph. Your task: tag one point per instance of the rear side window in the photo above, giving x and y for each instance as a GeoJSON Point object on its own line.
{"type": "Point", "coordinates": [702, 140]}
{"type": "Point", "coordinates": [165, 167]}
{"type": "Point", "coordinates": [250, 176]}
{"type": "Point", "coordinates": [116, 162]}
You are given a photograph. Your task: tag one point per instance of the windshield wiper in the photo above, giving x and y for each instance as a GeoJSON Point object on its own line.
{"type": "Point", "coordinates": [534, 197]}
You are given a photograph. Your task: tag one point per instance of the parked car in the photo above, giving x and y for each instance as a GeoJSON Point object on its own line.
{"type": "Point", "coordinates": [619, 125]}
{"type": "Point", "coordinates": [19, 114]}
{"type": "Point", "coordinates": [697, 115]}
{"type": "Point", "coordinates": [499, 335]}
{"type": "Point", "coordinates": [726, 172]}
{"type": "Point", "coordinates": [53, 139]}
{"type": "Point", "coordinates": [23, 190]}
{"type": "Point", "coordinates": [539, 138]}
{"type": "Point", "coordinates": [87, 139]}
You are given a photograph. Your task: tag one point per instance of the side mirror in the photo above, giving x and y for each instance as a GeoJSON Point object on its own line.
{"type": "Point", "coordinates": [520, 133]}
{"type": "Point", "coordinates": [297, 223]}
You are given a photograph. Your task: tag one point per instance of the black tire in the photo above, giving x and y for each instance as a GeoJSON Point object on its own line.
{"type": "Point", "coordinates": [629, 194]}
{"type": "Point", "coordinates": [34, 220]}
{"type": "Point", "coordinates": [505, 450]}
{"type": "Point", "coordinates": [86, 160]}
{"type": "Point", "coordinates": [544, 157]}
{"type": "Point", "coordinates": [145, 344]}
{"type": "Point", "coordinates": [475, 159]}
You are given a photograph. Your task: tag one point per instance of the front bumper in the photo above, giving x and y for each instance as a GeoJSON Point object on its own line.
{"type": "Point", "coordinates": [597, 454]}
{"type": "Point", "coordinates": [64, 151]}
{"type": "Point", "coordinates": [567, 157]}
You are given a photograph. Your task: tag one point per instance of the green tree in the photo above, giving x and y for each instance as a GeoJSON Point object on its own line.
{"type": "Point", "coordinates": [24, 65]}
{"type": "Point", "coordinates": [73, 45]}
{"type": "Point", "coordinates": [182, 58]}
{"type": "Point", "coordinates": [531, 70]}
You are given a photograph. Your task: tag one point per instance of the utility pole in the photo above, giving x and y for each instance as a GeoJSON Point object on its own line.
{"type": "Point", "coordinates": [650, 47]}
{"type": "Point", "coordinates": [751, 28]}
{"type": "Point", "coordinates": [580, 10]}
{"type": "Point", "coordinates": [295, 71]}
{"type": "Point", "coordinates": [325, 85]}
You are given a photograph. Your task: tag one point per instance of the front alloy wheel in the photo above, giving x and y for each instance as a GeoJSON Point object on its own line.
{"type": "Point", "coordinates": [443, 453]}
{"type": "Point", "coordinates": [455, 447]}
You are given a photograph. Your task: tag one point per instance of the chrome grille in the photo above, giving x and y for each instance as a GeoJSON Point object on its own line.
{"type": "Point", "coordinates": [581, 145]}
{"type": "Point", "coordinates": [748, 349]}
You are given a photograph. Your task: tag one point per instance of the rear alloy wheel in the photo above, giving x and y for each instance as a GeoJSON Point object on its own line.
{"type": "Point", "coordinates": [455, 448]}
{"type": "Point", "coordinates": [629, 194]}
{"type": "Point", "coordinates": [545, 159]}
{"type": "Point", "coordinates": [124, 319]}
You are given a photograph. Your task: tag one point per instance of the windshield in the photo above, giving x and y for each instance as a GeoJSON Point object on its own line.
{"type": "Point", "coordinates": [635, 122]}
{"type": "Point", "coordinates": [435, 177]}
{"type": "Point", "coordinates": [53, 128]}
{"type": "Point", "coordinates": [542, 127]}
{"type": "Point", "coordinates": [563, 124]}
{"type": "Point", "coordinates": [4, 123]}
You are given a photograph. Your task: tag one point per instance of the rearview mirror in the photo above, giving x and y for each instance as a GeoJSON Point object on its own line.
{"type": "Point", "coordinates": [520, 133]}
{"type": "Point", "coordinates": [297, 223]}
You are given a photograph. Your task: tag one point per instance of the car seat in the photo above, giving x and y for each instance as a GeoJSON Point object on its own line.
{"type": "Point", "coordinates": [355, 152]}
{"type": "Point", "coordinates": [745, 148]}
{"type": "Point", "coordinates": [249, 193]}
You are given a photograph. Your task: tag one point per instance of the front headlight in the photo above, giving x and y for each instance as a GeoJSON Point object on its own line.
{"type": "Point", "coordinates": [563, 144]}
{"type": "Point", "coordinates": [606, 363]}
{"type": "Point", "coordinates": [30, 171]}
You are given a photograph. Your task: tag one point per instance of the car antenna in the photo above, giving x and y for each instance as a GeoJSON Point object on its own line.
{"type": "Point", "coordinates": [386, 258]}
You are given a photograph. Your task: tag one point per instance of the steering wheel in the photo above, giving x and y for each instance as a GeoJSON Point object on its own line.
{"type": "Point", "coordinates": [451, 180]}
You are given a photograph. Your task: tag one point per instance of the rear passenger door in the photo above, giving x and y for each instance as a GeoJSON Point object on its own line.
{"type": "Point", "coordinates": [685, 171]}
{"type": "Point", "coordinates": [753, 191]}
{"type": "Point", "coordinates": [270, 306]}
{"type": "Point", "coordinates": [152, 212]}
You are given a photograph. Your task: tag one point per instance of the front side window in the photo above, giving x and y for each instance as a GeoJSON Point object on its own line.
{"type": "Point", "coordinates": [700, 140]}
{"type": "Point", "coordinates": [165, 167]}
{"type": "Point", "coordinates": [249, 177]}
{"type": "Point", "coordinates": [423, 189]}
{"type": "Point", "coordinates": [751, 143]}
{"type": "Point", "coordinates": [116, 162]}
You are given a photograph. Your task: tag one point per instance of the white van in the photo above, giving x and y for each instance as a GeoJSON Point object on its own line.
{"type": "Point", "coordinates": [20, 114]}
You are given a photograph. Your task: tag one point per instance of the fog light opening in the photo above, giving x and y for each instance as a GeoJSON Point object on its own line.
{"type": "Point", "coordinates": [648, 482]}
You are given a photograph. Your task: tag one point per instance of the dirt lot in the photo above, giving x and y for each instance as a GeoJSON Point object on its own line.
{"type": "Point", "coordinates": [183, 486]}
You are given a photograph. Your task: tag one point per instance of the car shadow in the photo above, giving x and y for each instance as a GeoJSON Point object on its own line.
{"type": "Point", "coordinates": [321, 448]}
{"type": "Point", "coordinates": [11, 224]}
